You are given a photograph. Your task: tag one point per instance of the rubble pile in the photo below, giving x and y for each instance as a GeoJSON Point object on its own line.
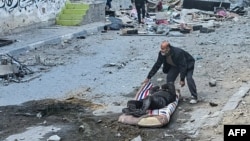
{"type": "Point", "coordinates": [11, 70]}
{"type": "Point", "coordinates": [165, 17]}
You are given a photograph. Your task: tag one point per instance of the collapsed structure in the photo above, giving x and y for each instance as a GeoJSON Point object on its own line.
{"type": "Point", "coordinates": [184, 16]}
{"type": "Point", "coordinates": [12, 70]}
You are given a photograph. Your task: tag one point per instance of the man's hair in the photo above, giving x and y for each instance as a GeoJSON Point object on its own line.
{"type": "Point", "coordinates": [165, 42]}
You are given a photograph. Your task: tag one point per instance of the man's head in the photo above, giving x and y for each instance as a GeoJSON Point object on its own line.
{"type": "Point", "coordinates": [165, 47]}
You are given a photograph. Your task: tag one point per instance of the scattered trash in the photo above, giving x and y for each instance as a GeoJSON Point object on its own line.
{"type": "Point", "coordinates": [239, 10]}
{"type": "Point", "coordinates": [213, 104]}
{"type": "Point", "coordinates": [12, 70]}
{"type": "Point", "coordinates": [4, 42]}
{"type": "Point", "coordinates": [81, 37]}
{"type": "Point", "coordinates": [206, 30]}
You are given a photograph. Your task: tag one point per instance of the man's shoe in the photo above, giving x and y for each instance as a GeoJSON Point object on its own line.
{"type": "Point", "coordinates": [193, 101]}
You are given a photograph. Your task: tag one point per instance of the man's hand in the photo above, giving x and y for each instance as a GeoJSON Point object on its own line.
{"type": "Point", "coordinates": [146, 80]}
{"type": "Point", "coordinates": [182, 83]}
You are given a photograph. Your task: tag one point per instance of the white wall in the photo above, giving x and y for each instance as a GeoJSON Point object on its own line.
{"type": "Point", "coordinates": [19, 13]}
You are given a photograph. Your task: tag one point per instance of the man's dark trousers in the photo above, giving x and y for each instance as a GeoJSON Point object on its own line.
{"type": "Point", "coordinates": [140, 10]}
{"type": "Point", "coordinates": [174, 72]}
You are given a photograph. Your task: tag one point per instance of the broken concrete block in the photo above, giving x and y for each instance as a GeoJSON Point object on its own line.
{"type": "Point", "coordinates": [54, 138]}
{"type": "Point", "coordinates": [206, 5]}
{"type": "Point", "coordinates": [129, 31]}
{"type": "Point", "coordinates": [152, 6]}
{"type": "Point", "coordinates": [81, 128]}
{"type": "Point", "coordinates": [212, 83]}
{"type": "Point", "coordinates": [185, 30]}
{"type": "Point", "coordinates": [8, 69]}
{"type": "Point", "coordinates": [206, 30]}
{"type": "Point", "coordinates": [196, 27]}
{"type": "Point", "coordinates": [239, 10]}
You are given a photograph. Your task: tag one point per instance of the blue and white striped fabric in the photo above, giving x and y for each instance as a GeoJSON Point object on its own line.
{"type": "Point", "coordinates": [144, 91]}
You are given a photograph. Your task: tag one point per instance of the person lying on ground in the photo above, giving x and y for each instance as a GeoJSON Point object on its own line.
{"type": "Point", "coordinates": [159, 98]}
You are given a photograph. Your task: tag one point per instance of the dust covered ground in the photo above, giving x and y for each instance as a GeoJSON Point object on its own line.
{"type": "Point", "coordinates": [115, 66]}
{"type": "Point", "coordinates": [76, 121]}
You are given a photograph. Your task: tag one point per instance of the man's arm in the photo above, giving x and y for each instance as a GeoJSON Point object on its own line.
{"type": "Point", "coordinates": [156, 66]}
{"type": "Point", "coordinates": [182, 63]}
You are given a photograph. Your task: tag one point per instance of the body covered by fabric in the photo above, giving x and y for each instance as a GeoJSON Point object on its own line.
{"type": "Point", "coordinates": [159, 98]}
{"type": "Point", "coordinates": [154, 118]}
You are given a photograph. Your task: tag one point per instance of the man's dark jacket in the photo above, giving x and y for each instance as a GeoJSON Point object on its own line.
{"type": "Point", "coordinates": [182, 59]}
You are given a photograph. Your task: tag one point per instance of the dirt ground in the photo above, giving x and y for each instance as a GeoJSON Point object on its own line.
{"type": "Point", "coordinates": [73, 114]}
{"type": "Point", "coordinates": [222, 55]}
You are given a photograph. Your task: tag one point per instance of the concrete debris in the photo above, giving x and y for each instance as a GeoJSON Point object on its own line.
{"type": "Point", "coordinates": [12, 70]}
{"type": "Point", "coordinates": [119, 66]}
{"type": "Point", "coordinates": [195, 15]}
{"type": "Point", "coordinates": [213, 104]}
{"type": "Point", "coordinates": [234, 101]}
{"type": "Point", "coordinates": [206, 30]}
{"type": "Point", "coordinates": [212, 83]}
{"type": "Point", "coordinates": [39, 115]}
{"type": "Point", "coordinates": [138, 138]}
{"type": "Point", "coordinates": [152, 6]}
{"type": "Point", "coordinates": [54, 138]}
{"type": "Point", "coordinates": [81, 128]}
{"type": "Point", "coordinates": [129, 31]}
